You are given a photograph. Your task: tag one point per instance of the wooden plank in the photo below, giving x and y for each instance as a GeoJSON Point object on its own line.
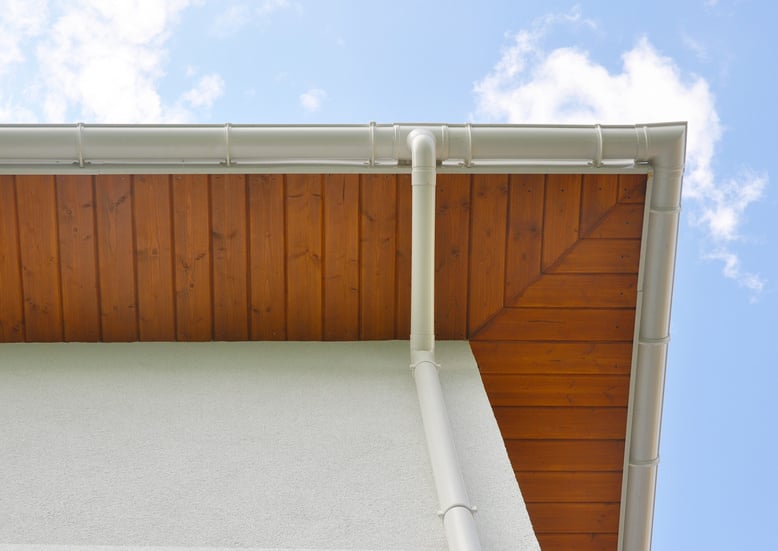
{"type": "Point", "coordinates": [581, 290]}
{"type": "Point", "coordinates": [566, 455]}
{"type": "Point", "coordinates": [452, 234]}
{"type": "Point", "coordinates": [192, 246]}
{"type": "Point", "coordinates": [115, 254]}
{"type": "Point", "coordinates": [154, 258]}
{"type": "Point", "coordinates": [525, 232]}
{"type": "Point", "coordinates": [303, 257]}
{"type": "Point", "coordinates": [341, 257]}
{"type": "Point", "coordinates": [488, 227]}
{"type": "Point", "coordinates": [622, 222]}
{"type": "Point", "coordinates": [378, 229]}
{"type": "Point", "coordinates": [37, 211]}
{"type": "Point", "coordinates": [403, 259]}
{"type": "Point", "coordinates": [557, 390]}
{"type": "Point", "coordinates": [78, 263]}
{"type": "Point", "coordinates": [561, 215]}
{"type": "Point", "coordinates": [601, 518]}
{"type": "Point", "coordinates": [267, 256]}
{"type": "Point", "coordinates": [553, 357]}
{"type": "Point", "coordinates": [578, 542]}
{"type": "Point", "coordinates": [561, 324]}
{"type": "Point", "coordinates": [230, 257]}
{"type": "Point", "coordinates": [570, 487]}
{"type": "Point", "coordinates": [592, 256]}
{"type": "Point", "coordinates": [553, 423]}
{"type": "Point", "coordinates": [598, 196]}
{"type": "Point", "coordinates": [11, 303]}
{"type": "Point", "coordinates": [632, 188]}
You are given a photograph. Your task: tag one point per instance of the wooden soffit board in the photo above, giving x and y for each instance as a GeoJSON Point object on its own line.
{"type": "Point", "coordinates": [539, 272]}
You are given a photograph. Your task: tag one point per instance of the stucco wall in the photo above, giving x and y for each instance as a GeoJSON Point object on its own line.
{"type": "Point", "coordinates": [263, 445]}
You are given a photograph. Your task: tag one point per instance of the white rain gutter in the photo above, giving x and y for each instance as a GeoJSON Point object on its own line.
{"type": "Point", "coordinates": [455, 508]}
{"type": "Point", "coordinates": [657, 149]}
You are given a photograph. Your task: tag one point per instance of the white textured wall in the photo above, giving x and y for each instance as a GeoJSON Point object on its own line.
{"type": "Point", "coordinates": [263, 445]}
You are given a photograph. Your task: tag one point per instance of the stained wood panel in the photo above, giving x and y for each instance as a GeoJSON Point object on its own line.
{"type": "Point", "coordinates": [598, 196]}
{"type": "Point", "coordinates": [11, 304]}
{"type": "Point", "coordinates": [577, 542]}
{"type": "Point", "coordinates": [561, 324]}
{"type": "Point", "coordinates": [154, 258]}
{"type": "Point", "coordinates": [581, 291]}
{"type": "Point", "coordinates": [230, 258]}
{"type": "Point", "coordinates": [561, 217]}
{"type": "Point", "coordinates": [592, 256]}
{"type": "Point", "coordinates": [452, 235]}
{"type": "Point", "coordinates": [525, 233]}
{"type": "Point", "coordinates": [267, 256]}
{"type": "Point", "coordinates": [192, 245]}
{"type": "Point", "coordinates": [303, 257]}
{"type": "Point", "coordinates": [38, 241]}
{"type": "Point", "coordinates": [593, 423]}
{"type": "Point", "coordinates": [574, 517]}
{"type": "Point", "coordinates": [632, 188]}
{"type": "Point", "coordinates": [623, 221]}
{"type": "Point", "coordinates": [569, 455]}
{"type": "Point", "coordinates": [571, 487]}
{"type": "Point", "coordinates": [553, 357]}
{"type": "Point", "coordinates": [403, 257]}
{"type": "Point", "coordinates": [557, 390]}
{"type": "Point", "coordinates": [378, 231]}
{"type": "Point", "coordinates": [78, 252]}
{"type": "Point", "coordinates": [341, 257]}
{"type": "Point", "coordinates": [488, 223]}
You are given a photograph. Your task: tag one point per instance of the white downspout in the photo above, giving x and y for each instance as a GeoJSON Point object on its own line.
{"type": "Point", "coordinates": [455, 507]}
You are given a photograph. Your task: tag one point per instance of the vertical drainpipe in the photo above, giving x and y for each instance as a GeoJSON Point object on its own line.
{"type": "Point", "coordinates": [455, 508]}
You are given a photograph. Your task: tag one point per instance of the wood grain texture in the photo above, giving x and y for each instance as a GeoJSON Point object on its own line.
{"type": "Point", "coordinates": [598, 196]}
{"type": "Point", "coordinates": [581, 291]}
{"type": "Point", "coordinates": [38, 240]}
{"type": "Point", "coordinates": [578, 542]}
{"type": "Point", "coordinates": [592, 256]}
{"type": "Point", "coordinates": [452, 237]}
{"type": "Point", "coordinates": [561, 216]}
{"type": "Point", "coordinates": [552, 357]}
{"type": "Point", "coordinates": [600, 518]}
{"type": "Point", "coordinates": [230, 257]}
{"type": "Point", "coordinates": [571, 487]}
{"type": "Point", "coordinates": [11, 303]}
{"type": "Point", "coordinates": [303, 257]}
{"type": "Point", "coordinates": [561, 324]}
{"type": "Point", "coordinates": [567, 455]}
{"type": "Point", "coordinates": [488, 224]}
{"type": "Point", "coordinates": [378, 230]}
{"type": "Point", "coordinates": [192, 244]}
{"type": "Point", "coordinates": [632, 188]}
{"type": "Point", "coordinates": [341, 257]}
{"type": "Point", "coordinates": [557, 390]}
{"type": "Point", "coordinates": [267, 256]}
{"type": "Point", "coordinates": [525, 233]}
{"type": "Point", "coordinates": [579, 423]}
{"type": "Point", "coordinates": [78, 262]}
{"type": "Point", "coordinates": [403, 259]}
{"type": "Point", "coordinates": [622, 222]}
{"type": "Point", "coordinates": [154, 258]}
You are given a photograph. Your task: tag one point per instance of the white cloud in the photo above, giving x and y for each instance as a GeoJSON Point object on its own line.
{"type": "Point", "coordinates": [312, 99]}
{"type": "Point", "coordinates": [19, 20]}
{"type": "Point", "coordinates": [237, 16]}
{"type": "Point", "coordinates": [208, 89]}
{"type": "Point", "coordinates": [531, 85]}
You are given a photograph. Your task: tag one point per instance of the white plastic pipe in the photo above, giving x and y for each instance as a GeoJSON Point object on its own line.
{"type": "Point", "coordinates": [455, 507]}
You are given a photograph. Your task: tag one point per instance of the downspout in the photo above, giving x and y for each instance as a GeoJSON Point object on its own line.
{"type": "Point", "coordinates": [455, 508]}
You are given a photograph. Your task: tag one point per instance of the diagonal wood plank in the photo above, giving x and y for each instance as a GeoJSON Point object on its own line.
{"type": "Point", "coordinates": [632, 188]}
{"type": "Point", "coordinates": [598, 196]}
{"type": "Point", "coordinates": [603, 256]}
{"type": "Point", "coordinates": [525, 233]}
{"type": "Point", "coordinates": [581, 290]}
{"type": "Point", "coordinates": [561, 219]}
{"type": "Point", "coordinates": [622, 222]}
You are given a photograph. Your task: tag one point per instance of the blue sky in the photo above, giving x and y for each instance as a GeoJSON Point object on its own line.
{"type": "Point", "coordinates": [284, 61]}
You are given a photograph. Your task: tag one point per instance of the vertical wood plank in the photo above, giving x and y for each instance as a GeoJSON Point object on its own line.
{"type": "Point", "coordinates": [378, 224]}
{"type": "Point", "coordinates": [341, 257]}
{"type": "Point", "coordinates": [598, 196]}
{"type": "Point", "coordinates": [267, 256]}
{"type": "Point", "coordinates": [403, 257]}
{"type": "Point", "coordinates": [154, 258]}
{"type": "Point", "coordinates": [452, 231]}
{"type": "Point", "coordinates": [228, 221]}
{"type": "Point", "coordinates": [191, 231]}
{"type": "Point", "coordinates": [632, 188]}
{"type": "Point", "coordinates": [562, 215]}
{"type": "Point", "coordinates": [303, 257]}
{"type": "Point", "coordinates": [37, 211]}
{"type": "Point", "coordinates": [525, 233]}
{"type": "Point", "coordinates": [11, 304]}
{"type": "Point", "coordinates": [487, 253]}
{"type": "Point", "coordinates": [77, 248]}
{"type": "Point", "coordinates": [116, 258]}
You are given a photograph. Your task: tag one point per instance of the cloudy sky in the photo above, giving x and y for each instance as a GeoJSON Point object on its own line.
{"type": "Point", "coordinates": [707, 62]}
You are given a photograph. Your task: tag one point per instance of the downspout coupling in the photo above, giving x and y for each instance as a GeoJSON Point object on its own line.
{"type": "Point", "coordinates": [455, 508]}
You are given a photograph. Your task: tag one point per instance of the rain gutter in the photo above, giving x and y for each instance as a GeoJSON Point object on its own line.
{"type": "Point", "coordinates": [656, 149]}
